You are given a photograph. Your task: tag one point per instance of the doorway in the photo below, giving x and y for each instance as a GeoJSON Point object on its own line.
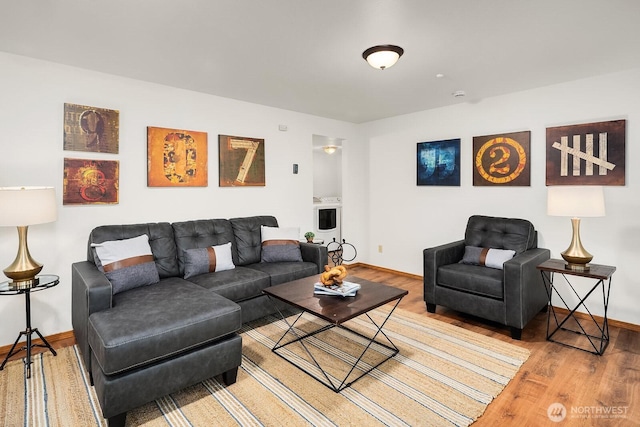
{"type": "Point", "coordinates": [327, 188]}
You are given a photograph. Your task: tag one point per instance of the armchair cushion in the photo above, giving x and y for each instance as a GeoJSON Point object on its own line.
{"type": "Point", "coordinates": [472, 279]}
{"type": "Point", "coordinates": [487, 257]}
{"type": "Point", "coordinates": [500, 233]}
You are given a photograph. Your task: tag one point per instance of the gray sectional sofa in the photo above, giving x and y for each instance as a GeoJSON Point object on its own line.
{"type": "Point", "coordinates": [144, 342]}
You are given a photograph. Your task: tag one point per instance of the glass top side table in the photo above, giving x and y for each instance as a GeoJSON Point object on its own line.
{"type": "Point", "coordinates": [42, 282]}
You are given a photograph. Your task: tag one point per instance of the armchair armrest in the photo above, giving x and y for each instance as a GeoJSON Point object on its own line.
{"type": "Point", "coordinates": [316, 254]}
{"type": "Point", "coordinates": [449, 253]}
{"type": "Point", "coordinates": [525, 294]}
{"type": "Point", "coordinates": [90, 292]}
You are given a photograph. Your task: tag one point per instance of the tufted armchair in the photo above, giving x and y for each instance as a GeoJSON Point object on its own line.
{"type": "Point", "coordinates": [458, 274]}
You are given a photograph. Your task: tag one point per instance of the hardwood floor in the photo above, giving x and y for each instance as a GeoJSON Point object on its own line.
{"type": "Point", "coordinates": [592, 388]}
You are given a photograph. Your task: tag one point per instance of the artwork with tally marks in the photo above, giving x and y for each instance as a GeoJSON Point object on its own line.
{"type": "Point", "coordinates": [586, 154]}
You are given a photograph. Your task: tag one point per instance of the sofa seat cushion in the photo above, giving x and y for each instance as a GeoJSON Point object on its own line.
{"type": "Point", "coordinates": [472, 279]}
{"type": "Point", "coordinates": [238, 284]}
{"type": "Point", "coordinates": [281, 272]}
{"type": "Point", "coordinates": [159, 321]}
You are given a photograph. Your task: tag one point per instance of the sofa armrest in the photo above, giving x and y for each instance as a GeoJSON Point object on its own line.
{"type": "Point", "coordinates": [525, 292]}
{"type": "Point", "coordinates": [316, 254]}
{"type": "Point", "coordinates": [449, 253]}
{"type": "Point", "coordinates": [90, 292]}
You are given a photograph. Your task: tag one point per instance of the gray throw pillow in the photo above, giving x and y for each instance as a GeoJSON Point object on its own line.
{"type": "Point", "coordinates": [487, 257]}
{"type": "Point", "coordinates": [127, 263]}
{"type": "Point", "coordinates": [280, 244]}
{"type": "Point", "coordinates": [207, 260]}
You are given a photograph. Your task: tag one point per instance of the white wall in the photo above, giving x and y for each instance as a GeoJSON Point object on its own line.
{"type": "Point", "coordinates": [405, 218]}
{"type": "Point", "coordinates": [378, 173]}
{"type": "Point", "coordinates": [31, 118]}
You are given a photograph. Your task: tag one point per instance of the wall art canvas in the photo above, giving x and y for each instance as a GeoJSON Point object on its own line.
{"type": "Point", "coordinates": [502, 159]}
{"type": "Point", "coordinates": [91, 129]}
{"type": "Point", "coordinates": [89, 182]}
{"type": "Point", "coordinates": [587, 154]}
{"type": "Point", "coordinates": [241, 161]}
{"type": "Point", "coordinates": [176, 158]}
{"type": "Point", "coordinates": [439, 163]}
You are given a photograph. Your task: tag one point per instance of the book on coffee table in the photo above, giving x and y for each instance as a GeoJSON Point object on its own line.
{"type": "Point", "coordinates": [346, 289]}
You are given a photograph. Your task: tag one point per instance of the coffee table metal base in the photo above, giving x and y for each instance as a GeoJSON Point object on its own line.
{"type": "Point", "coordinates": [323, 376]}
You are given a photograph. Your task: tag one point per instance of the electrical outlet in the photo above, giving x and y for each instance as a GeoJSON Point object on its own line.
{"type": "Point", "coordinates": [379, 248]}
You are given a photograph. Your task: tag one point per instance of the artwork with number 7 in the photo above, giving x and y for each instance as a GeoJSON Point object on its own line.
{"type": "Point", "coordinates": [241, 161]}
{"type": "Point", "coordinates": [586, 154]}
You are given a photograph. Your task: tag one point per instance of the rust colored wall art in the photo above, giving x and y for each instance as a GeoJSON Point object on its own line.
{"type": "Point", "coordinates": [241, 161]}
{"type": "Point", "coordinates": [90, 129]}
{"type": "Point", "coordinates": [176, 158]}
{"type": "Point", "coordinates": [88, 182]}
{"type": "Point", "coordinates": [502, 159]}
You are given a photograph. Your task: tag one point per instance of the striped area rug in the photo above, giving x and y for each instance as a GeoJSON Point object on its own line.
{"type": "Point", "coordinates": [443, 376]}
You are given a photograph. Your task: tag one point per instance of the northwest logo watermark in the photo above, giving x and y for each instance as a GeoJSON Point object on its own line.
{"type": "Point", "coordinates": [557, 412]}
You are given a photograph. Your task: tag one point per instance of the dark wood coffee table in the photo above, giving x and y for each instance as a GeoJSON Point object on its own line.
{"type": "Point", "coordinates": [335, 310]}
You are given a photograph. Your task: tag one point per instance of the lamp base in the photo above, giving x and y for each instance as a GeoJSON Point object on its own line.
{"type": "Point", "coordinates": [24, 284]}
{"type": "Point", "coordinates": [577, 267]}
{"type": "Point", "coordinates": [576, 255]}
{"type": "Point", "coordinates": [24, 268]}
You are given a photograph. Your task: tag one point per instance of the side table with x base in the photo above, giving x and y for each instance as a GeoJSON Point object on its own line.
{"type": "Point", "coordinates": [602, 275]}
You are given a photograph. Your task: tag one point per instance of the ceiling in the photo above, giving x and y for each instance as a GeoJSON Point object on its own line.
{"type": "Point", "coordinates": [306, 56]}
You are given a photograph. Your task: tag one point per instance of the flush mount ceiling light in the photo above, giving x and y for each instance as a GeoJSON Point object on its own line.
{"type": "Point", "coordinates": [383, 56]}
{"type": "Point", "coordinates": [330, 149]}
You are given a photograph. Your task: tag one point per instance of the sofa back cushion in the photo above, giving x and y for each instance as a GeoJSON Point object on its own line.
{"type": "Point", "coordinates": [500, 233]}
{"type": "Point", "coordinates": [248, 237]}
{"type": "Point", "coordinates": [161, 241]}
{"type": "Point", "coordinates": [203, 233]}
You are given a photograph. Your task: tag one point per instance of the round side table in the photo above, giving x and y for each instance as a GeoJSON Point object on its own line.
{"type": "Point", "coordinates": [42, 282]}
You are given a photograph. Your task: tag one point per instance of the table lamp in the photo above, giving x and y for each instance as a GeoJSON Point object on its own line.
{"type": "Point", "coordinates": [576, 201]}
{"type": "Point", "coordinates": [21, 207]}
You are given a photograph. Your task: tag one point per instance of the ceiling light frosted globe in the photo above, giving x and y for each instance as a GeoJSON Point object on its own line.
{"type": "Point", "coordinates": [382, 57]}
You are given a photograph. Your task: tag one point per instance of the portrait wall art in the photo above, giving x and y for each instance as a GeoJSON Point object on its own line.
{"type": "Point", "coordinates": [586, 154]}
{"type": "Point", "coordinates": [502, 160]}
{"type": "Point", "coordinates": [438, 163]}
{"type": "Point", "coordinates": [176, 158]}
{"type": "Point", "coordinates": [88, 182]}
{"type": "Point", "coordinates": [90, 129]}
{"type": "Point", "coordinates": [241, 161]}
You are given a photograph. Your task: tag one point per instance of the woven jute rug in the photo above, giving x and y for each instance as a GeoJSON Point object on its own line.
{"type": "Point", "coordinates": [444, 375]}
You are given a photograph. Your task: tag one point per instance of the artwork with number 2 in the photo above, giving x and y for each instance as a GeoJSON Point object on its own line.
{"type": "Point", "coordinates": [586, 154]}
{"type": "Point", "coordinates": [502, 160]}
